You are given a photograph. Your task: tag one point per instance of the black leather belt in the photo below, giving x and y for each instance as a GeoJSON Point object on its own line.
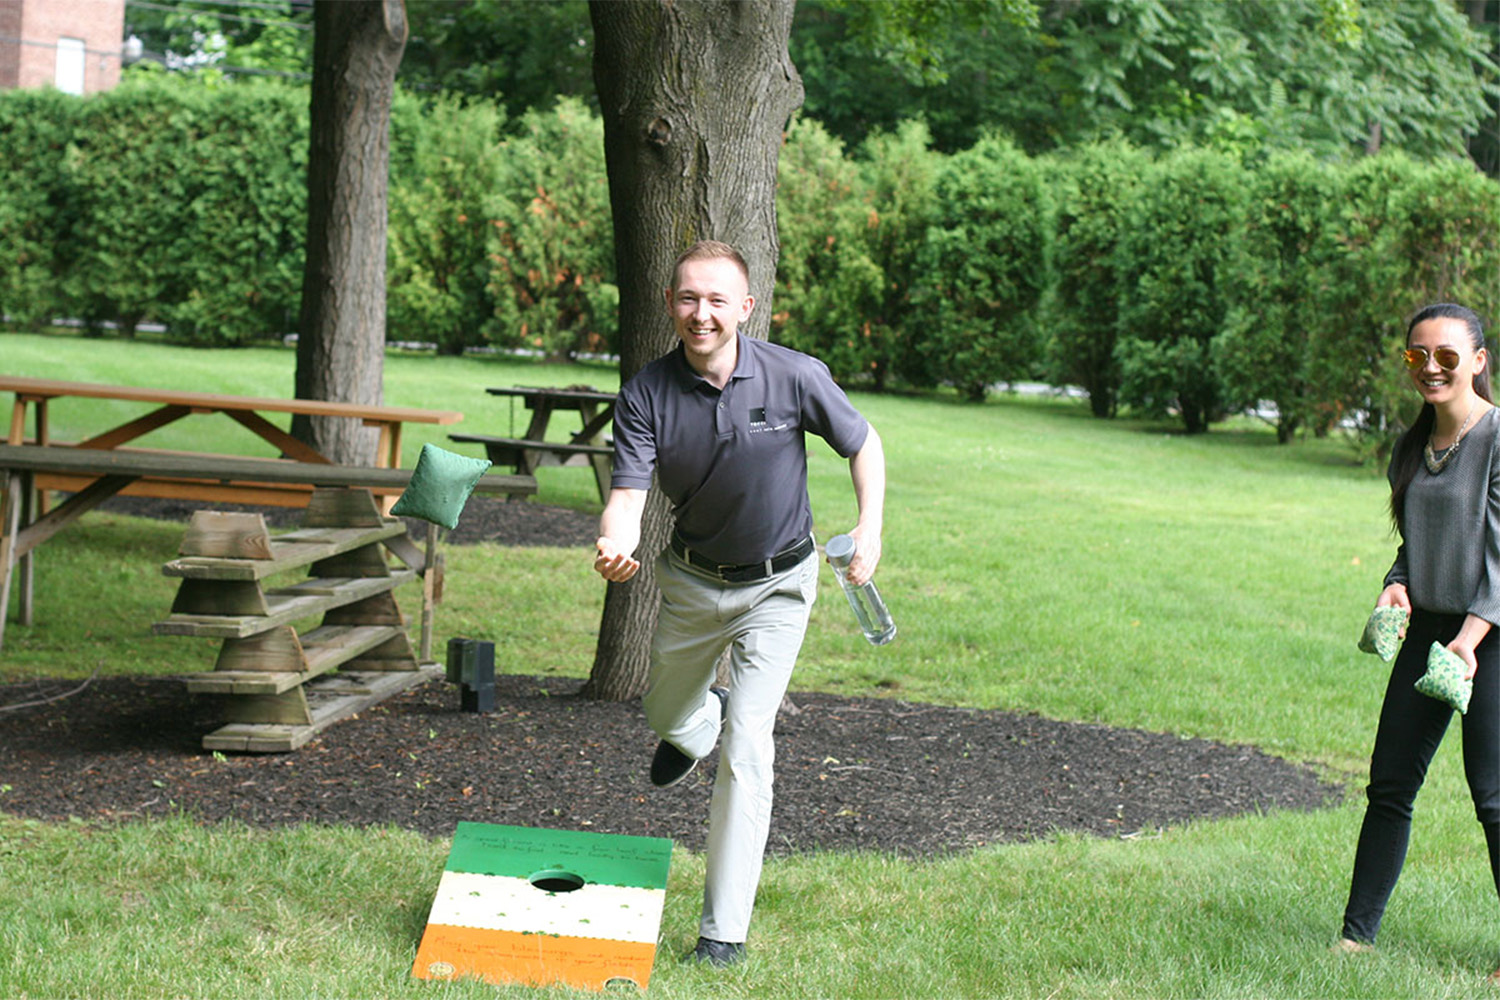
{"type": "Point", "coordinates": [744, 572]}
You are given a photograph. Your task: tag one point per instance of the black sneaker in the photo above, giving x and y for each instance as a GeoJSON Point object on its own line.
{"type": "Point", "coordinates": [670, 765]}
{"type": "Point", "coordinates": [719, 954]}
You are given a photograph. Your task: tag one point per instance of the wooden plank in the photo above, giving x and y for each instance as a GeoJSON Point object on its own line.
{"type": "Point", "coordinates": [377, 609]}
{"type": "Point", "coordinates": [269, 432]}
{"type": "Point", "coordinates": [406, 550]}
{"type": "Point", "coordinates": [432, 576]}
{"type": "Point", "coordinates": [325, 649]}
{"type": "Point", "coordinates": [275, 650]}
{"type": "Point", "coordinates": [220, 597]}
{"type": "Point", "coordinates": [135, 428]}
{"type": "Point", "coordinates": [14, 484]}
{"type": "Point", "coordinates": [282, 559]}
{"type": "Point", "coordinates": [395, 653]}
{"type": "Point", "coordinates": [343, 539]}
{"type": "Point", "coordinates": [250, 738]}
{"type": "Point", "coordinates": [350, 508]}
{"type": "Point", "coordinates": [50, 523]}
{"type": "Point", "coordinates": [241, 682]}
{"type": "Point", "coordinates": [557, 398]}
{"type": "Point", "coordinates": [215, 402]}
{"type": "Point", "coordinates": [289, 708]}
{"type": "Point", "coordinates": [292, 495]}
{"type": "Point", "coordinates": [209, 469]}
{"type": "Point", "coordinates": [346, 683]}
{"type": "Point", "coordinates": [526, 444]}
{"type": "Point", "coordinates": [316, 585]}
{"type": "Point", "coordinates": [380, 688]}
{"type": "Point", "coordinates": [367, 560]}
{"type": "Point", "coordinates": [288, 551]}
{"type": "Point", "coordinates": [282, 610]}
{"type": "Point", "coordinates": [386, 666]}
{"type": "Point", "coordinates": [226, 535]}
{"type": "Point", "coordinates": [272, 738]}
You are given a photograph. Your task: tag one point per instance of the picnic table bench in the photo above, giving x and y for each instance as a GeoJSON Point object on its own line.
{"type": "Point", "coordinates": [587, 446]}
{"type": "Point", "coordinates": [104, 473]}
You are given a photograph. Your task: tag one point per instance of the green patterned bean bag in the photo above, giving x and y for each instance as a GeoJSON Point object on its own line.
{"type": "Point", "coordinates": [1382, 635]}
{"type": "Point", "coordinates": [1444, 679]}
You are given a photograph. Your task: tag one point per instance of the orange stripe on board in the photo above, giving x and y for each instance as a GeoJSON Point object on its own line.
{"type": "Point", "coordinates": [501, 957]}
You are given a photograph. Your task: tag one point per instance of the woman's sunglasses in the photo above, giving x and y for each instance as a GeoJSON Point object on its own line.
{"type": "Point", "coordinates": [1416, 358]}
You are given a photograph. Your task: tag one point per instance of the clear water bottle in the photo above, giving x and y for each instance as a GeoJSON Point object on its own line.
{"type": "Point", "coordinates": [869, 609]}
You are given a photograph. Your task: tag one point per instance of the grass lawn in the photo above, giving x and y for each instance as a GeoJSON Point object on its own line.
{"type": "Point", "coordinates": [1036, 560]}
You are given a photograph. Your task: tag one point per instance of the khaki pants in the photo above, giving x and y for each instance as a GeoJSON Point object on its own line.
{"type": "Point", "coordinates": [762, 624]}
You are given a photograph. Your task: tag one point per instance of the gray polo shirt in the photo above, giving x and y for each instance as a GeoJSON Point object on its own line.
{"type": "Point", "coordinates": [1449, 557]}
{"type": "Point", "coordinates": [733, 463]}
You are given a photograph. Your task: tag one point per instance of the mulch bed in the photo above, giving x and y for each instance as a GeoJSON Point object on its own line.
{"type": "Point", "coordinates": [852, 773]}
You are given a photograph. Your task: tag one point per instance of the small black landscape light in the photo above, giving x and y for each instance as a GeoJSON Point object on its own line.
{"type": "Point", "coordinates": [471, 665]}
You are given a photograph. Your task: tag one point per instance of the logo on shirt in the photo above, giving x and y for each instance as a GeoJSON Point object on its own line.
{"type": "Point", "coordinates": [759, 424]}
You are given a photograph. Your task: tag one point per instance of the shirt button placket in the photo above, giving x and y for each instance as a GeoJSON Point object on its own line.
{"type": "Point", "coordinates": [721, 415]}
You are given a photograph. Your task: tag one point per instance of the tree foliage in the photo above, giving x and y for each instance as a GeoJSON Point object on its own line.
{"type": "Point", "coordinates": [1270, 333]}
{"type": "Point", "coordinates": [36, 218]}
{"type": "Point", "coordinates": [268, 37]}
{"type": "Point", "coordinates": [522, 53]}
{"type": "Point", "coordinates": [551, 247]}
{"type": "Point", "coordinates": [446, 172]}
{"type": "Point", "coordinates": [827, 285]}
{"type": "Point", "coordinates": [982, 268]}
{"type": "Point", "coordinates": [191, 208]}
{"type": "Point", "coordinates": [1094, 187]}
{"type": "Point", "coordinates": [1320, 75]}
{"type": "Point", "coordinates": [1214, 280]}
{"type": "Point", "coordinates": [1175, 258]}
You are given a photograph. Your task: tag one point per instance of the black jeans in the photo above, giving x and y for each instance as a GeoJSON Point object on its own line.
{"type": "Point", "coordinates": [1411, 727]}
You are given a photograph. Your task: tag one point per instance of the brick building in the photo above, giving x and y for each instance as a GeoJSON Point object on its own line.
{"type": "Point", "coordinates": [73, 45]}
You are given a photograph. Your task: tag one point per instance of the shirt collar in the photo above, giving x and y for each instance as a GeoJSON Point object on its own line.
{"type": "Point", "coordinates": [747, 365]}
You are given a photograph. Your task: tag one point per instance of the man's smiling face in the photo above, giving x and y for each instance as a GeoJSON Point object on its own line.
{"type": "Point", "coordinates": [709, 301]}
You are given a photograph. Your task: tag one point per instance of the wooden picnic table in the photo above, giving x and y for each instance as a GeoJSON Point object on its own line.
{"type": "Point", "coordinates": [209, 477]}
{"type": "Point", "coordinates": [174, 404]}
{"type": "Point", "coordinates": [105, 472]}
{"type": "Point", "coordinates": [587, 446]}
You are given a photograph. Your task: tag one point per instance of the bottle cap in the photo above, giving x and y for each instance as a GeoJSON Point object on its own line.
{"type": "Point", "coordinates": [839, 550]}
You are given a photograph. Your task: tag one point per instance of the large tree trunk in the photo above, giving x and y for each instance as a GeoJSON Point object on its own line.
{"type": "Point", "coordinates": [357, 45]}
{"type": "Point", "coordinates": [695, 95]}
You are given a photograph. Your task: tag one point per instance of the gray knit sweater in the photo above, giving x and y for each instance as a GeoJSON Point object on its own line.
{"type": "Point", "coordinates": [1449, 556]}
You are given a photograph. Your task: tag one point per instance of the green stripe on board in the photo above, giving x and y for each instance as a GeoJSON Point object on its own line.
{"type": "Point", "coordinates": [599, 858]}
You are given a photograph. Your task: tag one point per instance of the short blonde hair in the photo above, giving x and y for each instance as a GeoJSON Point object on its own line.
{"type": "Point", "coordinates": [710, 250]}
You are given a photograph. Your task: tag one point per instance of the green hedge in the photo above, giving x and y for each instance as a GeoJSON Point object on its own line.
{"type": "Point", "coordinates": [1196, 283]}
{"type": "Point", "coordinates": [1181, 230]}
{"type": "Point", "coordinates": [164, 201]}
{"type": "Point", "coordinates": [1264, 351]}
{"type": "Point", "coordinates": [1093, 188]}
{"type": "Point", "coordinates": [35, 214]}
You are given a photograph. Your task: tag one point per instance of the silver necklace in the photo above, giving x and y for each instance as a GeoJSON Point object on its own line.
{"type": "Point", "coordinates": [1435, 464]}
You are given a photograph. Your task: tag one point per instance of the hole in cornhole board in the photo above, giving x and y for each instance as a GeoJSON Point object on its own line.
{"type": "Point", "coordinates": [556, 880]}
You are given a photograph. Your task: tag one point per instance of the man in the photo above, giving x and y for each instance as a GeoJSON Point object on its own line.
{"type": "Point", "coordinates": [721, 421]}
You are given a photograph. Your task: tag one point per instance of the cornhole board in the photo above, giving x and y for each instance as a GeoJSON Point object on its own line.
{"type": "Point", "coordinates": [522, 905]}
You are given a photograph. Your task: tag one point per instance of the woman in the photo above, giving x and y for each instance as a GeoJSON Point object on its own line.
{"type": "Point", "coordinates": [1445, 501]}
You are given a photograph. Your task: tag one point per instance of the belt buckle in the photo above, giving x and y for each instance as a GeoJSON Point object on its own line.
{"type": "Point", "coordinates": [731, 573]}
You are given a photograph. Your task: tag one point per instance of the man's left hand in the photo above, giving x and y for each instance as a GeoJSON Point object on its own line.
{"type": "Point", "coordinates": [866, 555]}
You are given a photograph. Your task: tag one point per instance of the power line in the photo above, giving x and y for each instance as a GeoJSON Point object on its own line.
{"type": "Point", "coordinates": [115, 53]}
{"type": "Point", "coordinates": [255, 4]}
{"type": "Point", "coordinates": [176, 9]}
{"type": "Point", "coordinates": [159, 58]}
